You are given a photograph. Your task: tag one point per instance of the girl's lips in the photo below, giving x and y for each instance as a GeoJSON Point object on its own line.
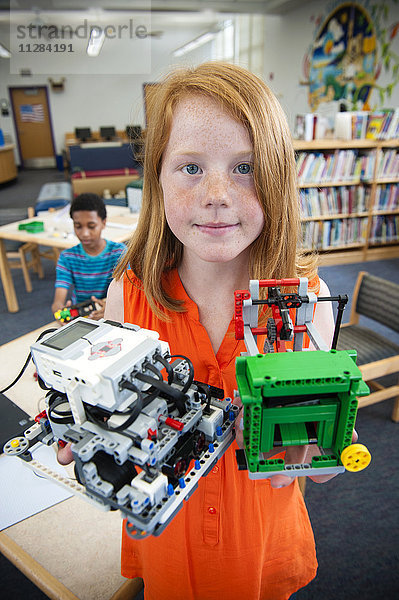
{"type": "Point", "coordinates": [217, 228]}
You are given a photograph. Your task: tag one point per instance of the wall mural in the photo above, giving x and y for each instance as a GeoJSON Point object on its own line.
{"type": "Point", "coordinates": [350, 49]}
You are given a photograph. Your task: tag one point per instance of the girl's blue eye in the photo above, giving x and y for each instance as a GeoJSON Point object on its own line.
{"type": "Point", "coordinates": [191, 169]}
{"type": "Point", "coordinates": [244, 168]}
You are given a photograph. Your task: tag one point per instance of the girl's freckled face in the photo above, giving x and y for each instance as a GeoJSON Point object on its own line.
{"type": "Point", "coordinates": [207, 181]}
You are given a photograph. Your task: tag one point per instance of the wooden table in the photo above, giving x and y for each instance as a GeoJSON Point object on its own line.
{"type": "Point", "coordinates": [72, 550]}
{"type": "Point", "coordinates": [58, 233]}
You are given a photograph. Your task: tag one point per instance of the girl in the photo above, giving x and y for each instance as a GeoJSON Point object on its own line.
{"type": "Point", "coordinates": [220, 206]}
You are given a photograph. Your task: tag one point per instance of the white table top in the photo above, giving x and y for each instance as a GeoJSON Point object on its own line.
{"type": "Point", "coordinates": [58, 228]}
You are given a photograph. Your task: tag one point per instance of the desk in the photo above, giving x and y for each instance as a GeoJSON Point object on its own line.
{"type": "Point", "coordinates": [71, 140]}
{"type": "Point", "coordinates": [72, 550]}
{"type": "Point", "coordinates": [8, 169]}
{"type": "Point", "coordinates": [58, 233]}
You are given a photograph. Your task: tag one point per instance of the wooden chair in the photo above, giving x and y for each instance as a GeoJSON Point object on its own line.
{"type": "Point", "coordinates": [17, 253]}
{"type": "Point", "coordinates": [51, 254]}
{"type": "Point", "coordinates": [18, 259]}
{"type": "Point", "coordinates": [377, 355]}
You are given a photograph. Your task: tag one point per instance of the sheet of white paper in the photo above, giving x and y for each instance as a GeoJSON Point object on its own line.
{"type": "Point", "coordinates": [24, 493]}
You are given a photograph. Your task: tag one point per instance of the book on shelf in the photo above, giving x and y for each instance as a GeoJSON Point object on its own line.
{"type": "Point", "coordinates": [343, 126]}
{"type": "Point", "coordinates": [388, 166]}
{"type": "Point", "coordinates": [359, 125]}
{"type": "Point", "coordinates": [334, 233]}
{"type": "Point", "coordinates": [383, 124]}
{"type": "Point", "coordinates": [387, 197]}
{"type": "Point", "coordinates": [393, 129]}
{"type": "Point", "coordinates": [384, 229]}
{"type": "Point", "coordinates": [310, 126]}
{"type": "Point", "coordinates": [344, 200]}
{"type": "Point", "coordinates": [375, 125]}
{"type": "Point", "coordinates": [299, 127]}
{"type": "Point", "coordinates": [341, 165]}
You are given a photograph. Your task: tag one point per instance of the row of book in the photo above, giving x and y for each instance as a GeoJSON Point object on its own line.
{"type": "Point", "coordinates": [388, 166]}
{"type": "Point", "coordinates": [383, 125]}
{"type": "Point", "coordinates": [387, 197]}
{"type": "Point", "coordinates": [348, 125]}
{"type": "Point", "coordinates": [384, 229]}
{"type": "Point", "coordinates": [341, 165]}
{"type": "Point", "coordinates": [334, 200]}
{"type": "Point", "coordinates": [377, 125]}
{"type": "Point", "coordinates": [322, 235]}
{"type": "Point", "coordinates": [358, 125]}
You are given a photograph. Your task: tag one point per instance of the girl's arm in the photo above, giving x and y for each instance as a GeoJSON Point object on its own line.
{"type": "Point", "coordinates": [114, 306]}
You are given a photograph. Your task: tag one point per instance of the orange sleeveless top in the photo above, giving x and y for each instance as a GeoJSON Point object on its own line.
{"type": "Point", "coordinates": [235, 538]}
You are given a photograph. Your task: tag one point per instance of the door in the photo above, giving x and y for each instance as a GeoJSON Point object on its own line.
{"type": "Point", "coordinates": [32, 122]}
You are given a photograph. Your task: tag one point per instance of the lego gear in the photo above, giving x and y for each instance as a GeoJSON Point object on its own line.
{"type": "Point", "coordinates": [355, 457]}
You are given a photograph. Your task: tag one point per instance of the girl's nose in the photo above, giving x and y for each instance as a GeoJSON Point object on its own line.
{"type": "Point", "coordinates": [216, 191]}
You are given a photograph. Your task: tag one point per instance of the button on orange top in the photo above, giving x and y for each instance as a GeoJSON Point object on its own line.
{"type": "Point", "coordinates": [262, 536]}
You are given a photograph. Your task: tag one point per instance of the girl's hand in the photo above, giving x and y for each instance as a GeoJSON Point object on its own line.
{"type": "Point", "coordinates": [64, 454]}
{"type": "Point", "coordinates": [293, 454]}
{"type": "Point", "coordinates": [314, 451]}
{"type": "Point", "coordinates": [300, 454]}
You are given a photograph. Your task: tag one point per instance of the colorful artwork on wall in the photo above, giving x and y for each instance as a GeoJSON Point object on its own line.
{"type": "Point", "coordinates": [343, 59]}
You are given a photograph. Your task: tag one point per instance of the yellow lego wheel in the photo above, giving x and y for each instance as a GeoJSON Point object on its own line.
{"type": "Point", "coordinates": [355, 457]}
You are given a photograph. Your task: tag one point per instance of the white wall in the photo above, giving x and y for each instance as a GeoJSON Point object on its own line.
{"type": "Point", "coordinates": [96, 100]}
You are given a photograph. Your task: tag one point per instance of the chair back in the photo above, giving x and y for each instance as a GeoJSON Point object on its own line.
{"type": "Point", "coordinates": [378, 299]}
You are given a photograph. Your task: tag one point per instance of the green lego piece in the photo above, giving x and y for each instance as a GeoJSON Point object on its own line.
{"type": "Point", "coordinates": [324, 460]}
{"type": "Point", "coordinates": [286, 395]}
{"type": "Point", "coordinates": [32, 226]}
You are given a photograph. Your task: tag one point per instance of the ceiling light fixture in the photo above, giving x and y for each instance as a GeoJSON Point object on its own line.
{"type": "Point", "coordinates": [4, 53]}
{"type": "Point", "coordinates": [96, 41]}
{"type": "Point", "coordinates": [195, 43]}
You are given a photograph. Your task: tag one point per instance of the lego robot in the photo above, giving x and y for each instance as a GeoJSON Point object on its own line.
{"type": "Point", "coordinates": [295, 398]}
{"type": "Point", "coordinates": [143, 431]}
{"type": "Point", "coordinates": [68, 313]}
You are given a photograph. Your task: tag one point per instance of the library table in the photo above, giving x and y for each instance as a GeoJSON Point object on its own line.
{"type": "Point", "coordinates": [58, 234]}
{"type": "Point", "coordinates": [70, 551]}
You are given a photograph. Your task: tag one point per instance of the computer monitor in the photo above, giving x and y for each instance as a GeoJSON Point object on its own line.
{"type": "Point", "coordinates": [83, 133]}
{"type": "Point", "coordinates": [107, 133]}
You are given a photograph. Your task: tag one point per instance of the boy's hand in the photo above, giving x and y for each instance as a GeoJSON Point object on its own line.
{"type": "Point", "coordinates": [100, 308]}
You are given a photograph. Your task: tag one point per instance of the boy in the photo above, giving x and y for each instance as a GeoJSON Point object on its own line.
{"type": "Point", "coordinates": [87, 267]}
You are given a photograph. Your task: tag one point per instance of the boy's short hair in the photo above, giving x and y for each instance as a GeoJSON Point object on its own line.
{"type": "Point", "coordinates": [91, 202]}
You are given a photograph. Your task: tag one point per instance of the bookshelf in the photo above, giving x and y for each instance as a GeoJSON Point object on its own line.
{"type": "Point", "coordinates": [349, 198]}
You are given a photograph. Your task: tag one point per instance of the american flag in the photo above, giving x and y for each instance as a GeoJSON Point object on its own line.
{"type": "Point", "coordinates": [32, 113]}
